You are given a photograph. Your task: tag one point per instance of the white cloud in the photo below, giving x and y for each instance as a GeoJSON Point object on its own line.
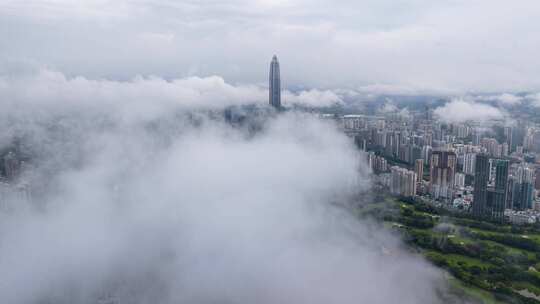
{"type": "Point", "coordinates": [143, 96]}
{"type": "Point", "coordinates": [139, 196]}
{"type": "Point", "coordinates": [313, 97]}
{"type": "Point", "coordinates": [388, 107]}
{"type": "Point", "coordinates": [509, 99]}
{"type": "Point", "coordinates": [461, 110]}
{"type": "Point", "coordinates": [185, 213]}
{"type": "Point", "coordinates": [407, 90]}
{"type": "Point", "coordinates": [505, 99]}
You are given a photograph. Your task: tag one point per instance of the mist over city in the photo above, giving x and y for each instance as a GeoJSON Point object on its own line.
{"type": "Point", "coordinates": [269, 152]}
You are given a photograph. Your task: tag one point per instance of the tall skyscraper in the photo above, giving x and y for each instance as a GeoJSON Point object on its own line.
{"type": "Point", "coordinates": [419, 169]}
{"type": "Point", "coordinates": [490, 199]}
{"type": "Point", "coordinates": [468, 163]}
{"type": "Point", "coordinates": [497, 194]}
{"type": "Point", "coordinates": [520, 192]}
{"type": "Point", "coordinates": [476, 137]}
{"type": "Point", "coordinates": [426, 154]}
{"type": "Point", "coordinates": [275, 84]}
{"type": "Point", "coordinates": [508, 133]}
{"type": "Point", "coordinates": [481, 178]}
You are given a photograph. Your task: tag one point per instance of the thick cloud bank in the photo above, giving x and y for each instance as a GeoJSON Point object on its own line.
{"type": "Point", "coordinates": [49, 87]}
{"type": "Point", "coordinates": [181, 207]}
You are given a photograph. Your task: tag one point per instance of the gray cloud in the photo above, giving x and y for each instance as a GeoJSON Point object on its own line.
{"type": "Point", "coordinates": [413, 45]}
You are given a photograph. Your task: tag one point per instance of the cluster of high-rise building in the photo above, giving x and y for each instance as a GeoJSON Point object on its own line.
{"type": "Point", "coordinates": [402, 181]}
{"type": "Point", "coordinates": [442, 170]}
{"type": "Point", "coordinates": [488, 170]}
{"type": "Point", "coordinates": [488, 173]}
{"type": "Point", "coordinates": [493, 148]}
{"type": "Point", "coordinates": [377, 164]}
{"type": "Point", "coordinates": [521, 183]}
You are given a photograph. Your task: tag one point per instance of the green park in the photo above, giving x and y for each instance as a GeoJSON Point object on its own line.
{"type": "Point", "coordinates": [486, 262]}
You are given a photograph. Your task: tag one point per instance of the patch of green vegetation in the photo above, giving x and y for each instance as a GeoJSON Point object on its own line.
{"type": "Point", "coordinates": [465, 260]}
{"type": "Point", "coordinates": [473, 292]}
{"type": "Point", "coordinates": [531, 256]}
{"type": "Point", "coordinates": [535, 273]}
{"type": "Point", "coordinates": [535, 237]}
{"type": "Point", "coordinates": [513, 240]}
{"type": "Point", "coordinates": [495, 261]}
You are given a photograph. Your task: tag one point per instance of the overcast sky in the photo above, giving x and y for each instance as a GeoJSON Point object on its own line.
{"type": "Point", "coordinates": [386, 45]}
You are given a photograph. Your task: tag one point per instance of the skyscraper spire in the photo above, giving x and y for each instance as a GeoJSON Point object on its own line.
{"type": "Point", "coordinates": [275, 84]}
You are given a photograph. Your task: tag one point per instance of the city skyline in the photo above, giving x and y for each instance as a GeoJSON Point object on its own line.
{"type": "Point", "coordinates": [158, 151]}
